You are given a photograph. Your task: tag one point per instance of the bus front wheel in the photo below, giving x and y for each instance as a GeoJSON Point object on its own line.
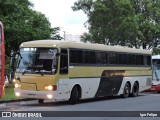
{"type": "Point", "coordinates": [74, 98]}
{"type": "Point", "coordinates": [126, 90]}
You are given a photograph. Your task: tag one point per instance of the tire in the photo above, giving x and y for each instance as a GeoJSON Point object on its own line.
{"type": "Point", "coordinates": [135, 90]}
{"type": "Point", "coordinates": [74, 98]}
{"type": "Point", "coordinates": [126, 91]}
{"type": "Point", "coordinates": [40, 101]}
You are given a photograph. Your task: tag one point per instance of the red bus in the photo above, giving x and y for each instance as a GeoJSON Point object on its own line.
{"type": "Point", "coordinates": [155, 74]}
{"type": "Point", "coordinates": [2, 61]}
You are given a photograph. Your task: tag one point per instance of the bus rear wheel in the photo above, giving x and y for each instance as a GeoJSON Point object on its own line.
{"type": "Point", "coordinates": [126, 90]}
{"type": "Point", "coordinates": [40, 101]}
{"type": "Point", "coordinates": [74, 98]}
{"type": "Point", "coordinates": [135, 90]}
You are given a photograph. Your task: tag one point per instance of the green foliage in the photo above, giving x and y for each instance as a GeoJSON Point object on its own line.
{"type": "Point", "coordinates": [55, 34]}
{"type": "Point", "coordinates": [156, 51]}
{"type": "Point", "coordinates": [85, 37]}
{"type": "Point", "coordinates": [9, 93]}
{"type": "Point", "coordinates": [7, 65]}
{"type": "Point", "coordinates": [22, 23]}
{"type": "Point", "coordinates": [133, 23]}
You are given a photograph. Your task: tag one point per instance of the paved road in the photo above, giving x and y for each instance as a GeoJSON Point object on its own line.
{"type": "Point", "coordinates": [149, 102]}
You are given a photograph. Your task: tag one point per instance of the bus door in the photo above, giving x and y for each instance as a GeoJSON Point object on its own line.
{"type": "Point", "coordinates": [64, 62]}
{"type": "Point", "coordinates": [64, 79]}
{"type": "Point", "coordinates": [2, 76]}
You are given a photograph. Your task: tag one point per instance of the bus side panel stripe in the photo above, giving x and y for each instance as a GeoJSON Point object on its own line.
{"type": "Point", "coordinates": [109, 85]}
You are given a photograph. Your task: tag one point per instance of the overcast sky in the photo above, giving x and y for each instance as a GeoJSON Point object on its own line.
{"type": "Point", "coordinates": [61, 15]}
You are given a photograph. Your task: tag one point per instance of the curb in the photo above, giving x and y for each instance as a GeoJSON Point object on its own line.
{"type": "Point", "coordinates": [15, 100]}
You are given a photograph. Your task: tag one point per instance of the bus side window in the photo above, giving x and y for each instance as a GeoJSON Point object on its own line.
{"type": "Point", "coordinates": [147, 60]}
{"type": "Point", "coordinates": [64, 62]}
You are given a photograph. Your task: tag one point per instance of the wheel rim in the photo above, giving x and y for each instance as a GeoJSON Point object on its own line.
{"type": "Point", "coordinates": [135, 89]}
{"type": "Point", "coordinates": [126, 90]}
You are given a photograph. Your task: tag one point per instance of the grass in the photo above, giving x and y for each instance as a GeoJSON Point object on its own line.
{"type": "Point", "coordinates": [9, 93]}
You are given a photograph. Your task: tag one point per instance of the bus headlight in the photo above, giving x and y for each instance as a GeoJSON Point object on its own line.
{"type": "Point", "coordinates": [14, 80]}
{"type": "Point", "coordinates": [49, 96]}
{"type": "Point", "coordinates": [51, 87]}
{"type": "Point", "coordinates": [16, 85]}
{"type": "Point", "coordinates": [17, 94]}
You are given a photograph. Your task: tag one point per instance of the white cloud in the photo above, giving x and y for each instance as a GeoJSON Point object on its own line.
{"type": "Point", "coordinates": [60, 14]}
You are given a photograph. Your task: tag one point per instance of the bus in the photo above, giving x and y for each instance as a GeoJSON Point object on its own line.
{"type": "Point", "coordinates": [156, 73]}
{"type": "Point", "coordinates": [61, 70]}
{"type": "Point", "coordinates": [2, 61]}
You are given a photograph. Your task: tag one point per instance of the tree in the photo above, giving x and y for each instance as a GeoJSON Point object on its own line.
{"type": "Point", "coordinates": [156, 51]}
{"type": "Point", "coordinates": [55, 33]}
{"type": "Point", "coordinates": [148, 20]}
{"type": "Point", "coordinates": [132, 23]}
{"type": "Point", "coordinates": [22, 23]}
{"type": "Point", "coordinates": [85, 37]}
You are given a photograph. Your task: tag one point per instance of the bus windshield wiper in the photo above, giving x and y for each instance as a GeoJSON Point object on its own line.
{"type": "Point", "coordinates": [42, 72]}
{"type": "Point", "coordinates": [24, 71]}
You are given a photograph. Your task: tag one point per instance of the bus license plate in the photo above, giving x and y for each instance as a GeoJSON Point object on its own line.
{"type": "Point", "coordinates": [31, 95]}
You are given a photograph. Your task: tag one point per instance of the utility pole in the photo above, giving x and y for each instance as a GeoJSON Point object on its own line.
{"type": "Point", "coordinates": [64, 35]}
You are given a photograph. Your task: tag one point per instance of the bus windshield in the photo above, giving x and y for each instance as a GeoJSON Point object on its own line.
{"type": "Point", "coordinates": [156, 69]}
{"type": "Point", "coordinates": [37, 61]}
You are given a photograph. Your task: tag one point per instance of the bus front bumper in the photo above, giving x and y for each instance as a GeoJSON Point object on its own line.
{"type": "Point", "coordinates": [35, 94]}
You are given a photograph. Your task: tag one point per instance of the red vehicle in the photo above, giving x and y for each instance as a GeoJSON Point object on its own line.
{"type": "Point", "coordinates": [155, 74]}
{"type": "Point", "coordinates": [2, 60]}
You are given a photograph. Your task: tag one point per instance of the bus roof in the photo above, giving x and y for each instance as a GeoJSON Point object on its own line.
{"type": "Point", "coordinates": [90, 46]}
{"type": "Point", "coordinates": [156, 57]}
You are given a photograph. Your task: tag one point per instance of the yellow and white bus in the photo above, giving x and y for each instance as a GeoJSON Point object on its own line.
{"type": "Point", "coordinates": [60, 70]}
